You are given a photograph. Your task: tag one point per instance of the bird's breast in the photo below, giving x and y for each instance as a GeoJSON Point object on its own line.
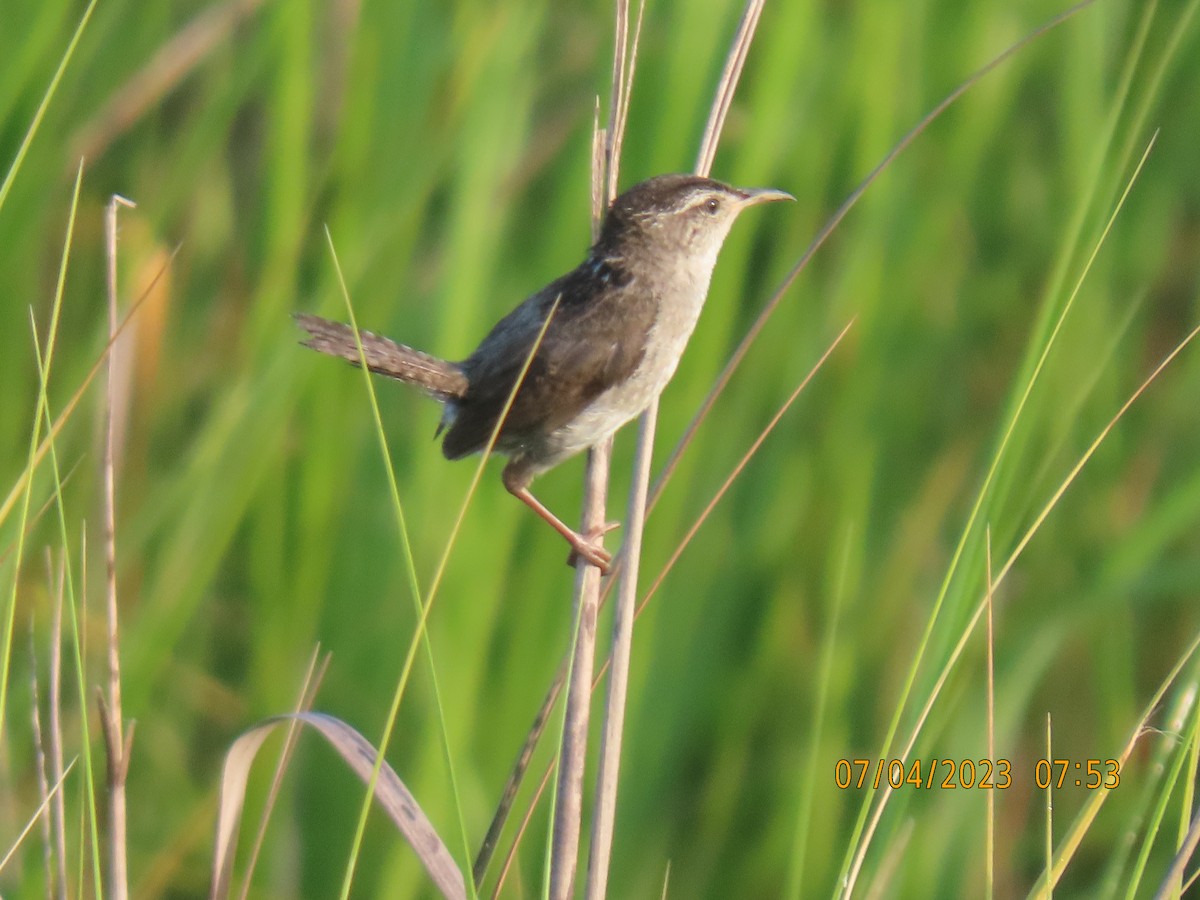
{"type": "Point", "coordinates": [677, 311]}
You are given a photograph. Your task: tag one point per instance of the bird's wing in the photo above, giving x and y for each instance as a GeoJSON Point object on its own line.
{"type": "Point", "coordinates": [595, 339]}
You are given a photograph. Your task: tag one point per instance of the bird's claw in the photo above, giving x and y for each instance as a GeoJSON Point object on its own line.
{"type": "Point", "coordinates": [588, 547]}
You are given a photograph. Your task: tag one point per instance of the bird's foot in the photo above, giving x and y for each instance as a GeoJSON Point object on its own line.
{"type": "Point", "coordinates": [588, 547]}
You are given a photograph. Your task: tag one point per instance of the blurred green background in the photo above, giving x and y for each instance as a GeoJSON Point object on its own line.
{"type": "Point", "coordinates": [446, 147]}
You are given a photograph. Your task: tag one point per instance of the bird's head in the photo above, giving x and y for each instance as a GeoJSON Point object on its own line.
{"type": "Point", "coordinates": [686, 215]}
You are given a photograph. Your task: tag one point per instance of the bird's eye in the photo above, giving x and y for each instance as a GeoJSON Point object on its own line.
{"type": "Point", "coordinates": [711, 205]}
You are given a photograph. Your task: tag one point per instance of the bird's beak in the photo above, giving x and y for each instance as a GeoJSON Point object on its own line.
{"type": "Point", "coordinates": [754, 196]}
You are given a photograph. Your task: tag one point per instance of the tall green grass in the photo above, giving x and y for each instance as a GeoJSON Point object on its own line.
{"type": "Point", "coordinates": [446, 147]}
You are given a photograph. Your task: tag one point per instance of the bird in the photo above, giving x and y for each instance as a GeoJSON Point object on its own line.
{"type": "Point", "coordinates": [596, 346]}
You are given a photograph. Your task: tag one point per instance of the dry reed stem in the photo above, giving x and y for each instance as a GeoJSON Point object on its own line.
{"type": "Point", "coordinates": [567, 812]}
{"type": "Point", "coordinates": [543, 714]}
{"type": "Point", "coordinates": [572, 758]}
{"type": "Point", "coordinates": [117, 742]}
{"type": "Point", "coordinates": [608, 775]}
{"type": "Point", "coordinates": [637, 509]}
{"type": "Point", "coordinates": [624, 66]}
{"type": "Point", "coordinates": [726, 87]}
{"type": "Point", "coordinates": [720, 108]}
{"type": "Point", "coordinates": [722, 381]}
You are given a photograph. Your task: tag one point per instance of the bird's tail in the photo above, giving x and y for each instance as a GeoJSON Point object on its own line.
{"type": "Point", "coordinates": [437, 377]}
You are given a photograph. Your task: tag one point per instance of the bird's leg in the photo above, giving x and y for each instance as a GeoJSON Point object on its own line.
{"type": "Point", "coordinates": [516, 480]}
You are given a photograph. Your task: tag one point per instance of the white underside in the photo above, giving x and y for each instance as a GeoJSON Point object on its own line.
{"type": "Point", "coordinates": [668, 337]}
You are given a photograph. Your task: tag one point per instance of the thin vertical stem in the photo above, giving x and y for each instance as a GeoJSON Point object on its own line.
{"type": "Point", "coordinates": [568, 803]}
{"type": "Point", "coordinates": [604, 816]}
{"type": "Point", "coordinates": [572, 758]}
{"type": "Point", "coordinates": [728, 85]}
{"type": "Point", "coordinates": [117, 743]}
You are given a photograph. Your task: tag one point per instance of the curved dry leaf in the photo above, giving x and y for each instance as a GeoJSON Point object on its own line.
{"type": "Point", "coordinates": [390, 792]}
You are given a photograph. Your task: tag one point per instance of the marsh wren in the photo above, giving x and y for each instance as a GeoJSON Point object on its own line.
{"type": "Point", "coordinates": [617, 327]}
